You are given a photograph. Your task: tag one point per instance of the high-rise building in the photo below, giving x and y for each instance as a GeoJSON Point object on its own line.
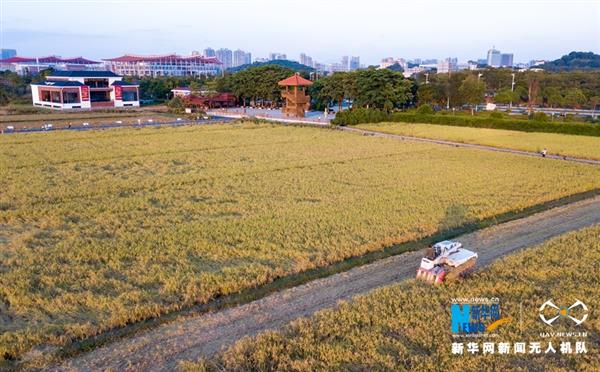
{"type": "Point", "coordinates": [209, 52]}
{"type": "Point", "coordinates": [494, 58]}
{"type": "Point", "coordinates": [8, 53]}
{"type": "Point", "coordinates": [345, 63]}
{"type": "Point", "coordinates": [225, 56]}
{"type": "Point", "coordinates": [306, 60]}
{"type": "Point", "coordinates": [241, 58]}
{"type": "Point", "coordinates": [447, 65]}
{"type": "Point", "coordinates": [354, 63]}
{"type": "Point", "coordinates": [506, 60]}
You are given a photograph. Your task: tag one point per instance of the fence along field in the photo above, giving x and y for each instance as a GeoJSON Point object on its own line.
{"type": "Point", "coordinates": [560, 144]}
{"type": "Point", "coordinates": [407, 326]}
{"type": "Point", "coordinates": [102, 228]}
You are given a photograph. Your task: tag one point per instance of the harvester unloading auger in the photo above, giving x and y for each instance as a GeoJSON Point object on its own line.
{"type": "Point", "coordinates": [446, 260]}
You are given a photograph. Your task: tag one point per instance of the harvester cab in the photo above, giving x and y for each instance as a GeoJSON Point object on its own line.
{"type": "Point", "coordinates": [446, 260]}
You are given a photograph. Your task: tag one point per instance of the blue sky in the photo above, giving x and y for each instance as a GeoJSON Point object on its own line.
{"type": "Point", "coordinates": [323, 29]}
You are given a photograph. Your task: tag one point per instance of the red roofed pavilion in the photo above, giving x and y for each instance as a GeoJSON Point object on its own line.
{"type": "Point", "coordinates": [294, 93]}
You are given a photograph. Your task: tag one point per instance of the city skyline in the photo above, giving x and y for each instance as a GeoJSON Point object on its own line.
{"type": "Point", "coordinates": [411, 31]}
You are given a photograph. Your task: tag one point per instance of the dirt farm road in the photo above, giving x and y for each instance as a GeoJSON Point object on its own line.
{"type": "Point", "coordinates": [161, 348]}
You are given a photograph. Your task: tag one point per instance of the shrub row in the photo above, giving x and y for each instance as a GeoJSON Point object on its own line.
{"type": "Point", "coordinates": [364, 116]}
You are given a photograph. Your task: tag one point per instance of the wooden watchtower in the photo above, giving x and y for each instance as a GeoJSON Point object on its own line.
{"type": "Point", "coordinates": [294, 94]}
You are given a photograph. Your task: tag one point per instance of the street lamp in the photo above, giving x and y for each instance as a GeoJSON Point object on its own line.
{"type": "Point", "coordinates": [512, 89]}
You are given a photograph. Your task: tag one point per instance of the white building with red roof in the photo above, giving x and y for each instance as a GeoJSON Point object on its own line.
{"type": "Point", "coordinates": [33, 65]}
{"type": "Point", "coordinates": [68, 90]}
{"type": "Point", "coordinates": [164, 65]}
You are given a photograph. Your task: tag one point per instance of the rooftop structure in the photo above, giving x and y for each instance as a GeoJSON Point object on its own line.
{"type": "Point", "coordinates": [294, 94]}
{"type": "Point", "coordinates": [164, 65]}
{"type": "Point", "coordinates": [216, 101]}
{"type": "Point", "coordinates": [67, 90]}
{"type": "Point", "coordinates": [33, 65]}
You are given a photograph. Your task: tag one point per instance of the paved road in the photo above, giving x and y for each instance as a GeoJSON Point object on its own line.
{"type": "Point", "coordinates": [161, 348]}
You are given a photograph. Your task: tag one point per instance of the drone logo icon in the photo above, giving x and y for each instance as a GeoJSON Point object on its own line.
{"type": "Point", "coordinates": [563, 312]}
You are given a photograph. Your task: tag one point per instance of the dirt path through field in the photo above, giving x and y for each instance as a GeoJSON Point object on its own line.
{"type": "Point", "coordinates": [161, 348]}
{"type": "Point", "coordinates": [367, 132]}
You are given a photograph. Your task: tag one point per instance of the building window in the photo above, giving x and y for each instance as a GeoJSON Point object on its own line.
{"type": "Point", "coordinates": [50, 96]}
{"type": "Point", "coordinates": [96, 83]}
{"type": "Point", "coordinates": [45, 96]}
{"type": "Point", "coordinates": [70, 97]}
{"type": "Point", "coordinates": [129, 95]}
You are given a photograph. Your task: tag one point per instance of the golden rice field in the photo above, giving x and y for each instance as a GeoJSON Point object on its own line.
{"type": "Point", "coordinates": [559, 144]}
{"type": "Point", "coordinates": [406, 327]}
{"type": "Point", "coordinates": [102, 228]}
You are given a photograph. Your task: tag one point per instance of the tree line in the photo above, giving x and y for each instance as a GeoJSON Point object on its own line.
{"type": "Point", "coordinates": [370, 88]}
{"type": "Point", "coordinates": [532, 88]}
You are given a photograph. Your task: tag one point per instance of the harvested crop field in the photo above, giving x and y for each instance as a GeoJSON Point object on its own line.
{"type": "Point", "coordinates": [98, 229]}
{"type": "Point", "coordinates": [559, 144]}
{"type": "Point", "coordinates": [406, 327]}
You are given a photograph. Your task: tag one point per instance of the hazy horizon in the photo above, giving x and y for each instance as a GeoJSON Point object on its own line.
{"type": "Point", "coordinates": [429, 29]}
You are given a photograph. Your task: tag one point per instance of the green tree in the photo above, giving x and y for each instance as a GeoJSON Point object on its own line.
{"type": "Point", "coordinates": [575, 98]}
{"type": "Point", "coordinates": [506, 96]}
{"type": "Point", "coordinates": [552, 96]}
{"type": "Point", "coordinates": [337, 87]}
{"type": "Point", "coordinates": [256, 84]}
{"type": "Point", "coordinates": [426, 94]}
{"type": "Point", "coordinates": [195, 86]}
{"type": "Point", "coordinates": [471, 91]}
{"type": "Point", "coordinates": [176, 105]}
{"type": "Point", "coordinates": [384, 89]}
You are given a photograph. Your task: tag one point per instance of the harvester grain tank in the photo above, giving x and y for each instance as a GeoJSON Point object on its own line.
{"type": "Point", "coordinates": [446, 260]}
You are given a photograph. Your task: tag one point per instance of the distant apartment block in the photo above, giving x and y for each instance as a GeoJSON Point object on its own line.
{"type": "Point", "coordinates": [497, 59]}
{"type": "Point", "coordinates": [167, 65]}
{"type": "Point", "coordinates": [68, 90]}
{"type": "Point", "coordinates": [345, 64]}
{"type": "Point", "coordinates": [226, 57]}
{"type": "Point", "coordinates": [33, 65]}
{"type": "Point", "coordinates": [241, 58]}
{"type": "Point", "coordinates": [8, 53]}
{"type": "Point", "coordinates": [447, 65]}
{"type": "Point", "coordinates": [306, 60]}
{"type": "Point", "coordinates": [494, 58]}
{"type": "Point", "coordinates": [506, 60]}
{"type": "Point", "coordinates": [209, 52]}
{"type": "Point", "coordinates": [354, 63]}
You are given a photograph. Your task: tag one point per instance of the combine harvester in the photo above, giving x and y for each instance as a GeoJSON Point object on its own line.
{"type": "Point", "coordinates": [446, 260]}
